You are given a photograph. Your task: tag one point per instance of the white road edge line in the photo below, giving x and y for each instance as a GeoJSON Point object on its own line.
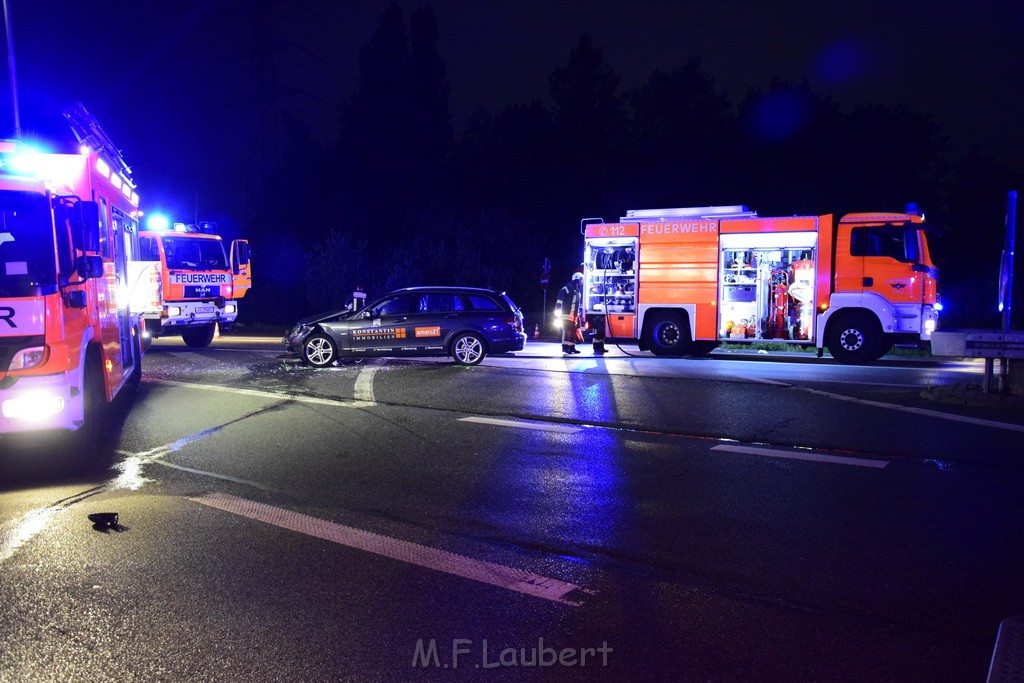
{"type": "Point", "coordinates": [762, 380]}
{"type": "Point", "coordinates": [797, 455]}
{"type": "Point", "coordinates": [918, 411]}
{"type": "Point", "coordinates": [539, 426]}
{"type": "Point", "coordinates": [440, 560]}
{"type": "Point", "coordinates": [364, 385]}
{"type": "Point", "coordinates": [276, 395]}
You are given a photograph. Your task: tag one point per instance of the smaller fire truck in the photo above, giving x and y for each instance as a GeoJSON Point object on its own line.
{"type": "Point", "coordinates": [69, 343]}
{"type": "Point", "coordinates": [682, 281]}
{"type": "Point", "coordinates": [195, 284]}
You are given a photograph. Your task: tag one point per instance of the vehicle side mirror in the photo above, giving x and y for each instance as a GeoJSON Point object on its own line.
{"type": "Point", "coordinates": [239, 255]}
{"type": "Point", "coordinates": [85, 222]}
{"type": "Point", "coordinates": [367, 314]}
{"type": "Point", "coordinates": [89, 267]}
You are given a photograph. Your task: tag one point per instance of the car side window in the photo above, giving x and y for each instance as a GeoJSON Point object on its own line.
{"type": "Point", "coordinates": [400, 305]}
{"type": "Point", "coordinates": [458, 304]}
{"type": "Point", "coordinates": [482, 303]}
{"type": "Point", "coordinates": [435, 303]}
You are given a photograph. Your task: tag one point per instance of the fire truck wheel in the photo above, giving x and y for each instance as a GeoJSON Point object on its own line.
{"type": "Point", "coordinates": [468, 349]}
{"type": "Point", "coordinates": [97, 410]}
{"type": "Point", "coordinates": [135, 379]}
{"type": "Point", "coordinates": [198, 337]}
{"type": "Point", "coordinates": [855, 337]}
{"type": "Point", "coordinates": [668, 335]}
{"type": "Point", "coordinates": [319, 350]}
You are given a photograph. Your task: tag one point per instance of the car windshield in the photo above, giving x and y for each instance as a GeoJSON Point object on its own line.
{"type": "Point", "coordinates": [27, 261]}
{"type": "Point", "coordinates": [194, 253]}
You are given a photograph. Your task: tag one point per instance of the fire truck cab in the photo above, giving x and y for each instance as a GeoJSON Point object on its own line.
{"type": "Point", "coordinates": [682, 281]}
{"type": "Point", "coordinates": [196, 284]}
{"type": "Point", "coordinates": [69, 342]}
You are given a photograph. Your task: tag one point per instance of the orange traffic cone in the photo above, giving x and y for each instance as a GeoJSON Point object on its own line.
{"type": "Point", "coordinates": [216, 330]}
{"type": "Point", "coordinates": [536, 331]}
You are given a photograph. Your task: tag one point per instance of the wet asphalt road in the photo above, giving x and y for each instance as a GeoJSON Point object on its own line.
{"type": "Point", "coordinates": [717, 519]}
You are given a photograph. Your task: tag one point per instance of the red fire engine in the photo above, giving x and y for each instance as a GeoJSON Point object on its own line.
{"type": "Point", "coordinates": [69, 343]}
{"type": "Point", "coordinates": [681, 281]}
{"type": "Point", "coordinates": [196, 285]}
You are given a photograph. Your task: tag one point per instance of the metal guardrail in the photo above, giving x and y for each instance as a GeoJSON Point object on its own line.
{"type": "Point", "coordinates": [978, 343]}
{"type": "Point", "coordinates": [987, 344]}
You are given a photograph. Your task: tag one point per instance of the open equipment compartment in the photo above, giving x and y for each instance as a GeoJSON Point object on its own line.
{"type": "Point", "coordinates": [610, 288]}
{"type": "Point", "coordinates": [767, 286]}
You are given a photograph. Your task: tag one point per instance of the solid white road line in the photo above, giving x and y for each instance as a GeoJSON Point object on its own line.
{"type": "Point", "coordinates": [275, 395]}
{"type": "Point", "coordinates": [918, 411]}
{"type": "Point", "coordinates": [16, 533]}
{"type": "Point", "coordinates": [539, 426]}
{"type": "Point", "coordinates": [364, 385]}
{"type": "Point", "coordinates": [797, 455]}
{"type": "Point", "coordinates": [404, 551]}
{"type": "Point", "coordinates": [762, 380]}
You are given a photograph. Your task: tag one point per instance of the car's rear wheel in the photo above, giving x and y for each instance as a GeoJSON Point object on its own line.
{"type": "Point", "coordinates": [319, 350]}
{"type": "Point", "coordinates": [468, 349]}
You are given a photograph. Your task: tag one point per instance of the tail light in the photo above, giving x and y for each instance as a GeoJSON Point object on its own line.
{"type": "Point", "coordinates": [514, 322]}
{"type": "Point", "coordinates": [227, 291]}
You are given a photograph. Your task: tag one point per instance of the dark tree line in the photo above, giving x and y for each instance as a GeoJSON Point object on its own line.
{"type": "Point", "coordinates": [403, 199]}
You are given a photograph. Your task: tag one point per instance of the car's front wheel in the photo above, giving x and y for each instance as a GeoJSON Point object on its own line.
{"type": "Point", "coordinates": [468, 349]}
{"type": "Point", "coordinates": [319, 350]}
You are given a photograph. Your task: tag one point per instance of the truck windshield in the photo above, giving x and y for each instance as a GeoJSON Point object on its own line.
{"type": "Point", "coordinates": [27, 252]}
{"type": "Point", "coordinates": [194, 253]}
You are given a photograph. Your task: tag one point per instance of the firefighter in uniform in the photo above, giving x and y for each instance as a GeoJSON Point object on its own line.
{"type": "Point", "coordinates": [597, 327]}
{"type": "Point", "coordinates": [568, 307]}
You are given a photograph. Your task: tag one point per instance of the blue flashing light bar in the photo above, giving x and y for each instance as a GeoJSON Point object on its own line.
{"type": "Point", "coordinates": [158, 222]}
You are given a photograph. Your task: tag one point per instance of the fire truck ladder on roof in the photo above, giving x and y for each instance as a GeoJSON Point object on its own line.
{"type": "Point", "coordinates": [693, 213]}
{"type": "Point", "coordinates": [88, 131]}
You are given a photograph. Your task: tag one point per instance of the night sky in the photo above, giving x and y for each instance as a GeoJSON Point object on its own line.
{"type": "Point", "coordinates": [203, 97]}
{"type": "Point", "coordinates": [174, 84]}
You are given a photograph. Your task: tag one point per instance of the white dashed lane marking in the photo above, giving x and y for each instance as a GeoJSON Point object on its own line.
{"type": "Point", "coordinates": [431, 558]}
{"type": "Point", "coordinates": [518, 424]}
{"type": "Point", "coordinates": [275, 395]}
{"type": "Point", "coordinates": [364, 385]}
{"type": "Point", "coordinates": [799, 455]}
